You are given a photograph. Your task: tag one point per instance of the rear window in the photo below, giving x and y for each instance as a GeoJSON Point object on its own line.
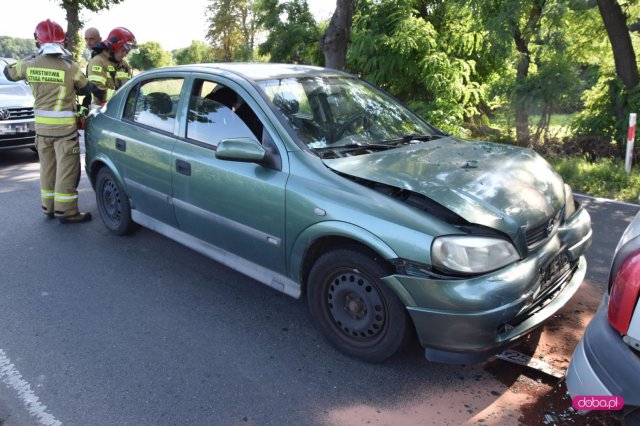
{"type": "Point", "coordinates": [154, 103]}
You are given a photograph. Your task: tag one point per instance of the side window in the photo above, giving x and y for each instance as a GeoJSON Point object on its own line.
{"type": "Point", "coordinates": [154, 103]}
{"type": "Point", "coordinates": [216, 112]}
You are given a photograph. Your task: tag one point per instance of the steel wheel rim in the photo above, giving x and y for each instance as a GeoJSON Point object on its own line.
{"type": "Point", "coordinates": [111, 202]}
{"type": "Point", "coordinates": [355, 307]}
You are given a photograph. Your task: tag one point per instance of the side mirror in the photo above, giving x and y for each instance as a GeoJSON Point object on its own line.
{"type": "Point", "coordinates": [247, 150]}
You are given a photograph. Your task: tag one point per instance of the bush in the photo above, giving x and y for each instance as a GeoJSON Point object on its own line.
{"type": "Point", "coordinates": [603, 178]}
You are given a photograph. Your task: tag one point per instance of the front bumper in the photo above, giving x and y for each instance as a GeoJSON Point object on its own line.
{"type": "Point", "coordinates": [602, 364]}
{"type": "Point", "coordinates": [464, 321]}
{"type": "Point", "coordinates": [17, 134]}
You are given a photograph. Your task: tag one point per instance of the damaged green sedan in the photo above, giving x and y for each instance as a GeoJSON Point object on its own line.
{"type": "Point", "coordinates": [316, 183]}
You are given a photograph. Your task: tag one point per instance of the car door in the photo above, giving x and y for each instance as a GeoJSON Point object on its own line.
{"type": "Point", "coordinates": [145, 144]}
{"type": "Point", "coordinates": [238, 207]}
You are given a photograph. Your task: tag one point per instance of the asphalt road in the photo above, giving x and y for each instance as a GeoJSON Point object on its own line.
{"type": "Point", "coordinates": [97, 329]}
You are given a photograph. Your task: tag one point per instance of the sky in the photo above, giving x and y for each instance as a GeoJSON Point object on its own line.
{"type": "Point", "coordinates": [173, 24]}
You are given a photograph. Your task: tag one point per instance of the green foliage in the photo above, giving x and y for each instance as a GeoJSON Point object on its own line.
{"type": "Point", "coordinates": [426, 56]}
{"type": "Point", "coordinates": [92, 5]}
{"type": "Point", "coordinates": [16, 47]}
{"type": "Point", "coordinates": [197, 53]}
{"type": "Point", "coordinates": [150, 55]}
{"type": "Point", "coordinates": [232, 29]}
{"type": "Point", "coordinates": [598, 117]}
{"type": "Point", "coordinates": [293, 33]}
{"type": "Point", "coordinates": [604, 178]}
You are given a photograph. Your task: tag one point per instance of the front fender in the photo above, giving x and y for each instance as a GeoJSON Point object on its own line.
{"type": "Point", "coordinates": [333, 229]}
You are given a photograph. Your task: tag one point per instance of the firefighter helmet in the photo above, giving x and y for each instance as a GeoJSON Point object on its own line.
{"type": "Point", "coordinates": [49, 32]}
{"type": "Point", "coordinates": [121, 37]}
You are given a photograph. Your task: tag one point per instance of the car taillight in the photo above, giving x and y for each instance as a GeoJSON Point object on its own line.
{"type": "Point", "coordinates": [624, 293]}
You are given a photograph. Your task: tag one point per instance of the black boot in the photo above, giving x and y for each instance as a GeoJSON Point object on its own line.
{"type": "Point", "coordinates": [76, 218]}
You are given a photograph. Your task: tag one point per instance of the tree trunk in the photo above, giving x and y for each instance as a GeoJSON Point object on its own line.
{"type": "Point", "coordinates": [522, 39]}
{"type": "Point", "coordinates": [615, 22]}
{"type": "Point", "coordinates": [74, 25]}
{"type": "Point", "coordinates": [335, 41]}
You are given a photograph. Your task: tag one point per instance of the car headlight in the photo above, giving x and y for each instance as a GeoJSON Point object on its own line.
{"type": "Point", "coordinates": [570, 204]}
{"type": "Point", "coordinates": [472, 255]}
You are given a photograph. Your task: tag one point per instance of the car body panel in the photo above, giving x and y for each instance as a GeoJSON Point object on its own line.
{"type": "Point", "coordinates": [268, 221]}
{"type": "Point", "coordinates": [603, 363]}
{"type": "Point", "coordinates": [469, 179]}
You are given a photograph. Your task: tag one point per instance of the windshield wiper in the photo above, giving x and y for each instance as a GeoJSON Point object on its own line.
{"type": "Point", "coordinates": [353, 146]}
{"type": "Point", "coordinates": [414, 137]}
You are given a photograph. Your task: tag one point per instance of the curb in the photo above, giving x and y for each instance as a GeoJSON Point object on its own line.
{"type": "Point", "coordinates": [606, 200]}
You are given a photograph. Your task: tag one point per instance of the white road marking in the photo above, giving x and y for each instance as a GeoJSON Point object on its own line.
{"type": "Point", "coordinates": [12, 378]}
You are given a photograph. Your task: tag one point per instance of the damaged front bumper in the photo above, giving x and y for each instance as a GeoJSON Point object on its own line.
{"type": "Point", "coordinates": [466, 320]}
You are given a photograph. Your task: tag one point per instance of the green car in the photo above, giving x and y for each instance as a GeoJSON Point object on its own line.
{"type": "Point", "coordinates": [316, 183]}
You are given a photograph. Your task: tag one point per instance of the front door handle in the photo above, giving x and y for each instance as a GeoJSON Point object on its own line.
{"type": "Point", "coordinates": [183, 167]}
{"type": "Point", "coordinates": [121, 145]}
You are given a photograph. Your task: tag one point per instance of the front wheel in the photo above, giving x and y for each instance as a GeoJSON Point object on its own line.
{"type": "Point", "coordinates": [358, 313]}
{"type": "Point", "coordinates": [113, 204]}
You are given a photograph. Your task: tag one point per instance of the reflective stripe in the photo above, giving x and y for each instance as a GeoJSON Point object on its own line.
{"type": "Point", "coordinates": [65, 198]}
{"type": "Point", "coordinates": [98, 79]}
{"type": "Point", "coordinates": [122, 74]}
{"type": "Point", "coordinates": [46, 193]}
{"type": "Point", "coordinates": [110, 93]}
{"type": "Point", "coordinates": [19, 69]}
{"type": "Point", "coordinates": [55, 120]}
{"type": "Point", "coordinates": [45, 113]}
{"type": "Point", "coordinates": [61, 94]}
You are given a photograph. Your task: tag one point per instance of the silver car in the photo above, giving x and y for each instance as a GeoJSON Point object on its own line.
{"type": "Point", "coordinates": [17, 123]}
{"type": "Point", "coordinates": [606, 362]}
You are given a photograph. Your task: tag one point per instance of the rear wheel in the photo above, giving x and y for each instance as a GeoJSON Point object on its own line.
{"type": "Point", "coordinates": [113, 204]}
{"type": "Point", "coordinates": [358, 313]}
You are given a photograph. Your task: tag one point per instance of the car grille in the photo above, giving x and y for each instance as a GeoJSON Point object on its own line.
{"type": "Point", "coordinates": [20, 113]}
{"type": "Point", "coordinates": [537, 234]}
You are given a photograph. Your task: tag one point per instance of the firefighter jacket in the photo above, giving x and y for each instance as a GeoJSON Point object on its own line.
{"type": "Point", "coordinates": [108, 75]}
{"type": "Point", "coordinates": [54, 81]}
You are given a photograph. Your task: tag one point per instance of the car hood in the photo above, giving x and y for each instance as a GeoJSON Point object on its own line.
{"type": "Point", "coordinates": [496, 185]}
{"type": "Point", "coordinates": [15, 95]}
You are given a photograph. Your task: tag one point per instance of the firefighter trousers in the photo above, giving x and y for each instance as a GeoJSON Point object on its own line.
{"type": "Point", "coordinates": [59, 174]}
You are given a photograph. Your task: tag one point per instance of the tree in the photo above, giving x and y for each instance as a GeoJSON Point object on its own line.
{"type": "Point", "coordinates": [197, 53]}
{"type": "Point", "coordinates": [150, 56]}
{"type": "Point", "coordinates": [615, 22]}
{"type": "Point", "coordinates": [74, 24]}
{"type": "Point", "coordinates": [16, 47]}
{"type": "Point", "coordinates": [335, 41]}
{"type": "Point", "coordinates": [293, 33]}
{"type": "Point", "coordinates": [424, 53]}
{"type": "Point", "coordinates": [232, 29]}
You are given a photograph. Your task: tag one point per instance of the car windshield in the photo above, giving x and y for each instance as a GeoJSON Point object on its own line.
{"type": "Point", "coordinates": [340, 112]}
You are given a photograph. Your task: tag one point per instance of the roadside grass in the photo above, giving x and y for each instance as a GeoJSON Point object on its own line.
{"type": "Point", "coordinates": [603, 178]}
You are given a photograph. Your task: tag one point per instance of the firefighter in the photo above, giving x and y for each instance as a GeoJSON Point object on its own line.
{"type": "Point", "coordinates": [55, 81]}
{"type": "Point", "coordinates": [108, 69]}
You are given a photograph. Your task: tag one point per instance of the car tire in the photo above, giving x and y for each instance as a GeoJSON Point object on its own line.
{"type": "Point", "coordinates": [113, 204]}
{"type": "Point", "coordinates": [357, 312]}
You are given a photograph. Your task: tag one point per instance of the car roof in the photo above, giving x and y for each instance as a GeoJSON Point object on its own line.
{"type": "Point", "coordinates": [260, 71]}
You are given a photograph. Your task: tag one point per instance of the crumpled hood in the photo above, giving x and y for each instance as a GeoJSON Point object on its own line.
{"type": "Point", "coordinates": [496, 185]}
{"type": "Point", "coordinates": [15, 95]}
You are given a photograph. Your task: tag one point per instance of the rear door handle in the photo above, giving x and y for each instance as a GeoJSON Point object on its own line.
{"type": "Point", "coordinates": [121, 145]}
{"type": "Point", "coordinates": [183, 167]}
